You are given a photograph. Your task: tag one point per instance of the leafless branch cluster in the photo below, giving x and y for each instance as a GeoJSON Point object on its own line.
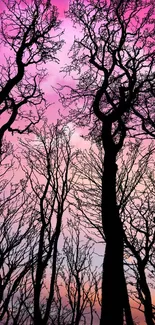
{"type": "Point", "coordinates": [29, 34]}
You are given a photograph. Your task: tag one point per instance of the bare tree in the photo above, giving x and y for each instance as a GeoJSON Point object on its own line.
{"type": "Point", "coordinates": [16, 229]}
{"type": "Point", "coordinates": [29, 33]}
{"type": "Point", "coordinates": [135, 201]}
{"type": "Point", "coordinates": [48, 159]}
{"type": "Point", "coordinates": [136, 205]}
{"type": "Point", "coordinates": [80, 277]}
{"type": "Point", "coordinates": [110, 64]}
{"type": "Point", "coordinates": [139, 237]}
{"type": "Point", "coordinates": [135, 197]}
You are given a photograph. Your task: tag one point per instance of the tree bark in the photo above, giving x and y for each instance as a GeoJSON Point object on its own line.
{"type": "Point", "coordinates": [128, 314]}
{"type": "Point", "coordinates": [113, 274]}
{"type": "Point", "coordinates": [148, 312]}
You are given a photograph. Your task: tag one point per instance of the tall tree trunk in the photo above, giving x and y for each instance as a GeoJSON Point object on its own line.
{"type": "Point", "coordinates": [37, 285]}
{"type": "Point", "coordinates": [78, 312]}
{"type": "Point", "coordinates": [146, 296]}
{"type": "Point", "coordinates": [128, 314]}
{"type": "Point", "coordinates": [142, 285]}
{"type": "Point", "coordinates": [113, 274]}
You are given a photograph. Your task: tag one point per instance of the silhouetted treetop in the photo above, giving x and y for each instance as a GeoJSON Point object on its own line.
{"type": "Point", "coordinates": [29, 36]}
{"type": "Point", "coordinates": [114, 59]}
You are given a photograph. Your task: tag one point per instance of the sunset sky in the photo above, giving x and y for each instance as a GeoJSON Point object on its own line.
{"type": "Point", "coordinates": [53, 79]}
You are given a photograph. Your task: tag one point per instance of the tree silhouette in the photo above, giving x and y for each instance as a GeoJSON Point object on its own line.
{"type": "Point", "coordinates": [16, 229]}
{"type": "Point", "coordinates": [29, 33]}
{"type": "Point", "coordinates": [115, 79]}
{"type": "Point", "coordinates": [81, 278]}
{"type": "Point", "coordinates": [48, 159]}
{"type": "Point", "coordinates": [139, 237]}
{"type": "Point", "coordinates": [135, 197]}
{"type": "Point", "coordinates": [31, 224]}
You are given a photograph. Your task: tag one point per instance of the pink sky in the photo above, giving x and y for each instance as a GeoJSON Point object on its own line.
{"type": "Point", "coordinates": [54, 75]}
